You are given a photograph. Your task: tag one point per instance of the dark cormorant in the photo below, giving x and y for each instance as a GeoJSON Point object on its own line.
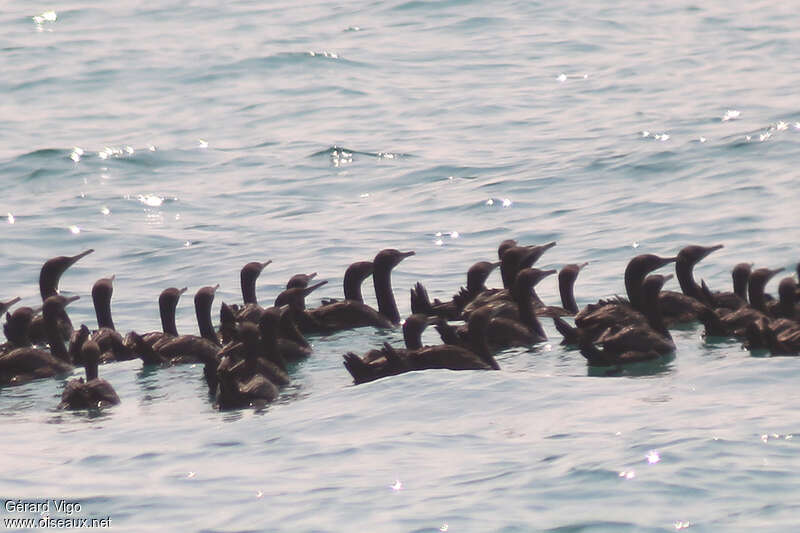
{"type": "Point", "coordinates": [193, 348]}
{"type": "Point", "coordinates": [443, 356]}
{"type": "Point", "coordinates": [111, 343]}
{"type": "Point", "coordinates": [635, 342]}
{"type": "Point", "coordinates": [167, 304]}
{"type": "Point", "coordinates": [514, 258]}
{"type": "Point", "coordinates": [49, 276]}
{"type": "Point", "coordinates": [727, 301]}
{"type": "Point", "coordinates": [685, 306]}
{"type": "Point", "coordinates": [566, 289]}
{"type": "Point", "coordinates": [476, 284]}
{"type": "Point", "coordinates": [595, 319]}
{"type": "Point", "coordinates": [250, 310]}
{"type": "Point", "coordinates": [735, 323]}
{"type": "Point", "coordinates": [93, 392]}
{"type": "Point", "coordinates": [23, 364]}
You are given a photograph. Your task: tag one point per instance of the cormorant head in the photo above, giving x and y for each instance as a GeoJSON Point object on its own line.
{"type": "Point", "coordinates": [693, 254]}
{"type": "Point", "coordinates": [169, 297]}
{"type": "Point", "coordinates": [103, 289]}
{"type": "Point", "coordinates": [53, 269]}
{"type": "Point", "coordinates": [300, 281]}
{"type": "Point", "coordinates": [389, 258]}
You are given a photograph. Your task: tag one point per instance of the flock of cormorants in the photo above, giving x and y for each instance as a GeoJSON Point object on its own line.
{"type": "Point", "coordinates": [246, 359]}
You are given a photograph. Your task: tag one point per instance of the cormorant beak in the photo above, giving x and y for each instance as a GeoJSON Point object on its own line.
{"type": "Point", "coordinates": [544, 273]}
{"type": "Point", "coordinates": [312, 276]}
{"type": "Point", "coordinates": [112, 277]}
{"type": "Point", "coordinates": [711, 249]}
{"type": "Point", "coordinates": [403, 255]}
{"type": "Point", "coordinates": [69, 299]}
{"type": "Point", "coordinates": [495, 265]}
{"type": "Point", "coordinates": [8, 304]}
{"type": "Point", "coordinates": [181, 291]}
{"type": "Point", "coordinates": [214, 288]}
{"type": "Point", "coordinates": [773, 272]}
{"type": "Point", "coordinates": [667, 260]}
{"type": "Point", "coordinates": [311, 288]}
{"type": "Point", "coordinates": [547, 246]}
{"type": "Point", "coordinates": [75, 258]}
{"type": "Point", "coordinates": [668, 277]}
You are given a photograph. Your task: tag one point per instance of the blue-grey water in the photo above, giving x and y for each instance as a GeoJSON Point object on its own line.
{"type": "Point", "coordinates": [181, 140]}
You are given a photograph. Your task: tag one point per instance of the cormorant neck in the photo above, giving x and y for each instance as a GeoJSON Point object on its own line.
{"type": "Point", "coordinates": [633, 286]}
{"type": "Point", "coordinates": [786, 306]}
{"type": "Point", "coordinates": [203, 313]}
{"type": "Point", "coordinates": [523, 295]}
{"type": "Point", "coordinates": [507, 274]}
{"type": "Point", "coordinates": [382, 281]}
{"type": "Point", "coordinates": [352, 286]}
{"type": "Point", "coordinates": [167, 312]}
{"type": "Point", "coordinates": [288, 329]}
{"type": "Point", "coordinates": [91, 369]}
{"type": "Point", "coordinates": [480, 345]}
{"type": "Point", "coordinates": [740, 284]}
{"type": "Point", "coordinates": [248, 283]}
{"type": "Point", "coordinates": [48, 284]}
{"type": "Point", "coordinates": [756, 293]}
{"type": "Point", "coordinates": [102, 310]}
{"type": "Point", "coordinates": [55, 340]}
{"type": "Point", "coordinates": [683, 271]}
{"type": "Point", "coordinates": [652, 311]}
{"type": "Point", "coordinates": [269, 343]}
{"type": "Point", "coordinates": [566, 287]}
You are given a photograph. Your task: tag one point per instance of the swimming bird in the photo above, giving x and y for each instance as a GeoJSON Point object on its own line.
{"type": "Point", "coordinates": [351, 312]}
{"type": "Point", "coordinates": [233, 393]}
{"type": "Point", "coordinates": [526, 329]}
{"type": "Point", "coordinates": [26, 363]}
{"type": "Point", "coordinates": [476, 284]}
{"type": "Point", "coordinates": [595, 319]}
{"type": "Point", "coordinates": [16, 328]}
{"type": "Point", "coordinates": [684, 306]}
{"type": "Point", "coordinates": [190, 348]}
{"type": "Point", "coordinates": [786, 304]}
{"type": "Point", "coordinates": [167, 304]}
{"type": "Point", "coordinates": [94, 392]}
{"type": "Point", "coordinates": [781, 317]}
{"type": "Point", "coordinates": [443, 356]}
{"type": "Point", "coordinates": [640, 341]}
{"type": "Point", "coordinates": [735, 323]}
{"type": "Point", "coordinates": [295, 298]}
{"type": "Point", "coordinates": [566, 288]}
{"type": "Point", "coordinates": [514, 258]}
{"type": "Point", "coordinates": [261, 352]}
{"type": "Point", "coordinates": [354, 277]}
{"type": "Point", "coordinates": [300, 280]}
{"type": "Point", "coordinates": [413, 327]}
{"type": "Point", "coordinates": [382, 265]}
{"type": "Point", "coordinates": [111, 343]}
{"type": "Point", "coordinates": [49, 277]}
{"type": "Point", "coordinates": [727, 301]}
{"type": "Point", "coordinates": [250, 310]}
